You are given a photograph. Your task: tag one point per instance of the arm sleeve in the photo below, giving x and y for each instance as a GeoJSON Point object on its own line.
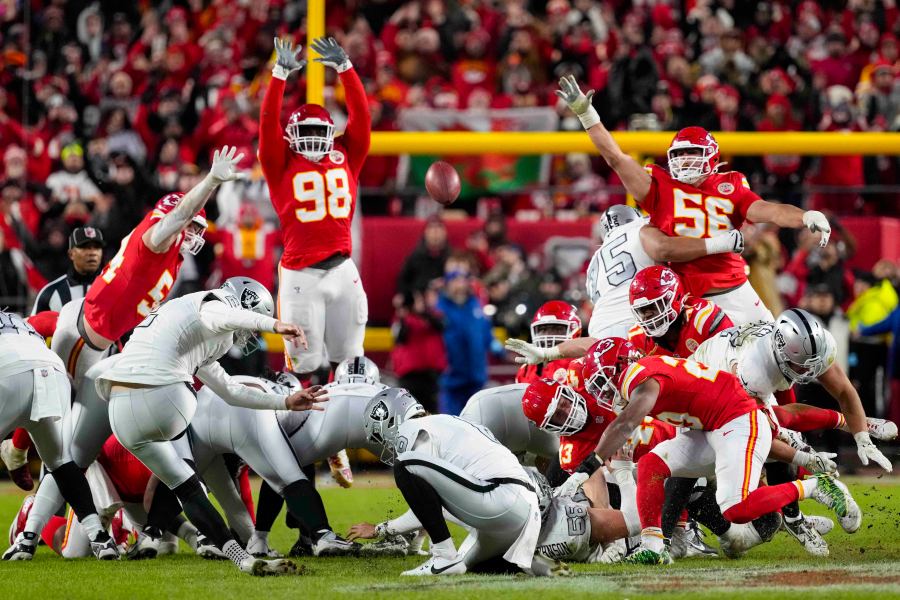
{"type": "Point", "coordinates": [272, 146]}
{"type": "Point", "coordinates": [358, 133]}
{"type": "Point", "coordinates": [175, 221]}
{"type": "Point", "coordinates": [220, 318]}
{"type": "Point", "coordinates": [238, 394]}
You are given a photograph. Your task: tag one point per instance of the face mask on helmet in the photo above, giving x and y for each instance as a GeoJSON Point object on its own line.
{"type": "Point", "coordinates": [655, 315]}
{"type": "Point", "coordinates": [802, 359]}
{"type": "Point", "coordinates": [313, 138]}
{"type": "Point", "coordinates": [690, 163]}
{"type": "Point", "coordinates": [601, 386]}
{"type": "Point", "coordinates": [567, 413]}
{"type": "Point", "coordinates": [548, 334]}
{"type": "Point", "coordinates": [193, 238]}
{"type": "Point", "coordinates": [382, 423]}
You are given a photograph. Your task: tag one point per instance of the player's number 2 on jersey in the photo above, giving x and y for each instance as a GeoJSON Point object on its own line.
{"type": "Point", "coordinates": [322, 195]}
{"type": "Point", "coordinates": [697, 216]}
{"type": "Point", "coordinates": [617, 262]}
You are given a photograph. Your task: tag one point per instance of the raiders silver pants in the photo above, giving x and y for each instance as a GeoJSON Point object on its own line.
{"type": "Point", "coordinates": [68, 344]}
{"type": "Point", "coordinates": [254, 435]}
{"type": "Point", "coordinates": [16, 397]}
{"type": "Point", "coordinates": [146, 421]}
{"type": "Point", "coordinates": [497, 513]}
{"type": "Point", "coordinates": [500, 410]}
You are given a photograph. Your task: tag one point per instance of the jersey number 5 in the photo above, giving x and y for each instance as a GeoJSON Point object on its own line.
{"type": "Point", "coordinates": [320, 195]}
{"type": "Point", "coordinates": [700, 217]}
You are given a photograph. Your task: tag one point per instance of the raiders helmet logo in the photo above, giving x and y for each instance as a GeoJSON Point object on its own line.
{"type": "Point", "coordinates": [725, 188]}
{"type": "Point", "coordinates": [336, 156]}
{"type": "Point", "coordinates": [249, 299]}
{"type": "Point", "coordinates": [379, 412]}
{"type": "Point", "coordinates": [779, 339]}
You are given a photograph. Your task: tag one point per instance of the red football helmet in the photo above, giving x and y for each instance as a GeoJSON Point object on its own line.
{"type": "Point", "coordinates": [693, 155]}
{"type": "Point", "coordinates": [554, 407]}
{"type": "Point", "coordinates": [656, 298]}
{"type": "Point", "coordinates": [310, 132]}
{"type": "Point", "coordinates": [605, 363]}
{"type": "Point", "coordinates": [553, 323]}
{"type": "Point", "coordinates": [193, 237]}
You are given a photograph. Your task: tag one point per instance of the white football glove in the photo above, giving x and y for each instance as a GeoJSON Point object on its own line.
{"type": "Point", "coordinates": [815, 462]}
{"type": "Point", "coordinates": [579, 103]}
{"type": "Point", "coordinates": [731, 241]}
{"type": "Point", "coordinates": [816, 222]}
{"type": "Point", "coordinates": [224, 165]}
{"type": "Point", "coordinates": [287, 60]}
{"type": "Point", "coordinates": [529, 354]}
{"type": "Point", "coordinates": [867, 450]}
{"type": "Point", "coordinates": [331, 54]}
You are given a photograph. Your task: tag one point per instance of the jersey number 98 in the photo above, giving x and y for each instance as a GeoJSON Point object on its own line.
{"type": "Point", "coordinates": [320, 196]}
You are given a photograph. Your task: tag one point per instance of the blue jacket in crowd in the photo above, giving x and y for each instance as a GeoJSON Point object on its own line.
{"type": "Point", "coordinates": [891, 324]}
{"type": "Point", "coordinates": [468, 338]}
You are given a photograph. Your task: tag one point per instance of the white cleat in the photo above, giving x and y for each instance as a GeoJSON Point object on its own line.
{"type": "Point", "coordinates": [881, 429]}
{"type": "Point", "coordinates": [438, 566]}
{"type": "Point", "coordinates": [146, 547]}
{"type": "Point", "coordinates": [258, 567]}
{"type": "Point", "coordinates": [804, 532]}
{"type": "Point", "coordinates": [823, 525]}
{"type": "Point", "coordinates": [835, 495]}
{"type": "Point", "coordinates": [18, 523]}
{"type": "Point", "coordinates": [331, 544]}
{"type": "Point", "coordinates": [206, 549]}
{"type": "Point", "coordinates": [259, 548]}
{"type": "Point", "coordinates": [340, 469]}
{"type": "Point", "coordinates": [23, 547]}
{"type": "Point", "coordinates": [738, 539]}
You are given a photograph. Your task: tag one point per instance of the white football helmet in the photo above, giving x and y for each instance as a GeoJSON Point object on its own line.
{"type": "Point", "coordinates": [251, 295]}
{"type": "Point", "coordinates": [382, 418]}
{"type": "Point", "coordinates": [803, 348]}
{"type": "Point", "coordinates": [358, 369]}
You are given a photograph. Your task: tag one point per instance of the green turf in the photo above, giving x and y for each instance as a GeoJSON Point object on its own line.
{"type": "Point", "coordinates": [866, 564]}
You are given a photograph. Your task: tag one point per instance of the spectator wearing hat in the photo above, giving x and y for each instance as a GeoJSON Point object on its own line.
{"type": "Point", "coordinates": [85, 256]}
{"type": "Point", "coordinates": [72, 184]}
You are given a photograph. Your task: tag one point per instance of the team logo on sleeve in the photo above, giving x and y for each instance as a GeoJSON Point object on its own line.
{"type": "Point", "coordinates": [336, 156]}
{"type": "Point", "coordinates": [691, 344]}
{"type": "Point", "coordinates": [249, 299]}
{"type": "Point", "coordinates": [725, 188]}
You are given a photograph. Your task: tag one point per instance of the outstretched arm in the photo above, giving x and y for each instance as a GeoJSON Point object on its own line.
{"type": "Point", "coordinates": [635, 178]}
{"type": "Point", "coordinates": [640, 402]}
{"type": "Point", "coordinates": [663, 248]}
{"type": "Point", "coordinates": [272, 145]}
{"type": "Point", "coordinates": [529, 354]}
{"type": "Point", "coordinates": [160, 237]}
{"type": "Point", "coordinates": [786, 215]}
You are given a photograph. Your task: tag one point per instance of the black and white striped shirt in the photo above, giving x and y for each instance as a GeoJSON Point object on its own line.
{"type": "Point", "coordinates": [63, 290]}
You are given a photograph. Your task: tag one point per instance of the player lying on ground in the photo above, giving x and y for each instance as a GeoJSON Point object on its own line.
{"type": "Point", "coordinates": [151, 403]}
{"type": "Point", "coordinates": [694, 199]}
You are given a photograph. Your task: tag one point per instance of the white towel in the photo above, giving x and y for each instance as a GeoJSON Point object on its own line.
{"type": "Point", "coordinates": [106, 498]}
{"type": "Point", "coordinates": [51, 394]}
{"type": "Point", "coordinates": [522, 550]}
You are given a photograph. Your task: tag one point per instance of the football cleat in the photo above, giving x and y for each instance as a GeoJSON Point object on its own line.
{"type": "Point", "coordinates": [881, 429]}
{"type": "Point", "coordinates": [16, 462]}
{"type": "Point", "coordinates": [392, 545]}
{"type": "Point", "coordinates": [835, 495]}
{"type": "Point", "coordinates": [437, 565]}
{"type": "Point", "coordinates": [738, 539]}
{"type": "Point", "coordinates": [23, 547]}
{"type": "Point", "coordinates": [340, 469]}
{"type": "Point", "coordinates": [18, 523]}
{"type": "Point", "coordinates": [259, 548]}
{"type": "Point", "coordinates": [802, 531]}
{"type": "Point", "coordinates": [302, 547]}
{"type": "Point", "coordinates": [330, 544]}
{"type": "Point", "coordinates": [206, 549]}
{"type": "Point", "coordinates": [823, 525]}
{"type": "Point", "coordinates": [146, 546]}
{"type": "Point", "coordinates": [262, 568]}
{"type": "Point", "coordinates": [695, 545]}
{"type": "Point", "coordinates": [104, 547]}
{"type": "Point", "coordinates": [646, 556]}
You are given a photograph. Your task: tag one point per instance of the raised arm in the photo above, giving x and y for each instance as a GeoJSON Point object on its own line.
{"type": "Point", "coordinates": [786, 215]}
{"type": "Point", "coordinates": [357, 135]}
{"type": "Point", "coordinates": [635, 178]}
{"type": "Point", "coordinates": [160, 237]}
{"type": "Point", "coordinates": [529, 354]}
{"type": "Point", "coordinates": [272, 146]}
{"type": "Point", "coordinates": [640, 402]}
{"type": "Point", "coordinates": [663, 248]}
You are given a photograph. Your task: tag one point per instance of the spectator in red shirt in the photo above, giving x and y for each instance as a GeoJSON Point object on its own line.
{"type": "Point", "coordinates": [835, 172]}
{"type": "Point", "coordinates": [836, 68]}
{"type": "Point", "coordinates": [419, 355]}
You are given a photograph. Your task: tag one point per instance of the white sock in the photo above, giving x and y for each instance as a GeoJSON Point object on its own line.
{"type": "Point", "coordinates": [444, 549]}
{"type": "Point", "coordinates": [234, 552]}
{"type": "Point", "coordinates": [809, 486]}
{"type": "Point", "coordinates": [92, 526]}
{"type": "Point", "coordinates": [188, 533]}
{"type": "Point", "coordinates": [652, 539]}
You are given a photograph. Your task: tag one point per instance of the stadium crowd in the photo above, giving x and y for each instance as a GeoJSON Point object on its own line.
{"type": "Point", "coordinates": [105, 106]}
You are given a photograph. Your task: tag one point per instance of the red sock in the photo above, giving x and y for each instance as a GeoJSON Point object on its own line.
{"type": "Point", "coordinates": [651, 489]}
{"type": "Point", "coordinates": [243, 481]}
{"type": "Point", "coordinates": [803, 417]}
{"type": "Point", "coordinates": [51, 528]}
{"type": "Point", "coordinates": [20, 439]}
{"type": "Point", "coordinates": [762, 501]}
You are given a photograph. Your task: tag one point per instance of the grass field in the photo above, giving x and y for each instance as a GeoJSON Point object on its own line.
{"type": "Point", "coordinates": [866, 564]}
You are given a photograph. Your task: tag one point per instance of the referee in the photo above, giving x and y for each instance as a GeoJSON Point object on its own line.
{"type": "Point", "coordinates": [85, 254]}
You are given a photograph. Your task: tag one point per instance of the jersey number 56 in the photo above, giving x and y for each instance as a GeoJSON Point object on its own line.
{"type": "Point", "coordinates": [321, 195]}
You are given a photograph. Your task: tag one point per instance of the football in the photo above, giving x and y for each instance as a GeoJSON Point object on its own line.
{"type": "Point", "coordinates": [442, 183]}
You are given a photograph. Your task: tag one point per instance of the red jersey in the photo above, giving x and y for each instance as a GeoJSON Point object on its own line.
{"type": "Point", "coordinates": [315, 201]}
{"type": "Point", "coordinates": [574, 449]}
{"type": "Point", "coordinates": [557, 370]}
{"type": "Point", "coordinates": [128, 475]}
{"type": "Point", "coordinates": [700, 320]}
{"type": "Point", "coordinates": [647, 435]}
{"type": "Point", "coordinates": [132, 283]}
{"type": "Point", "coordinates": [718, 204]}
{"type": "Point", "coordinates": [690, 393]}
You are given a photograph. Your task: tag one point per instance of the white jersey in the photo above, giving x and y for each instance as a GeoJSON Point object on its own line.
{"type": "Point", "coordinates": [468, 446]}
{"type": "Point", "coordinates": [566, 529]}
{"type": "Point", "coordinates": [500, 410]}
{"type": "Point", "coordinates": [609, 274]}
{"type": "Point", "coordinates": [317, 434]}
{"type": "Point", "coordinates": [22, 348]}
{"type": "Point", "coordinates": [746, 351]}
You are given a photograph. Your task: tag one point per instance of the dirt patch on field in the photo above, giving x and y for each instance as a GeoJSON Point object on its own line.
{"type": "Point", "coordinates": [822, 578]}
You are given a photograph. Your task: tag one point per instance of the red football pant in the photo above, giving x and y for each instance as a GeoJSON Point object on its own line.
{"type": "Point", "coordinates": [803, 417]}
{"type": "Point", "coordinates": [762, 501]}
